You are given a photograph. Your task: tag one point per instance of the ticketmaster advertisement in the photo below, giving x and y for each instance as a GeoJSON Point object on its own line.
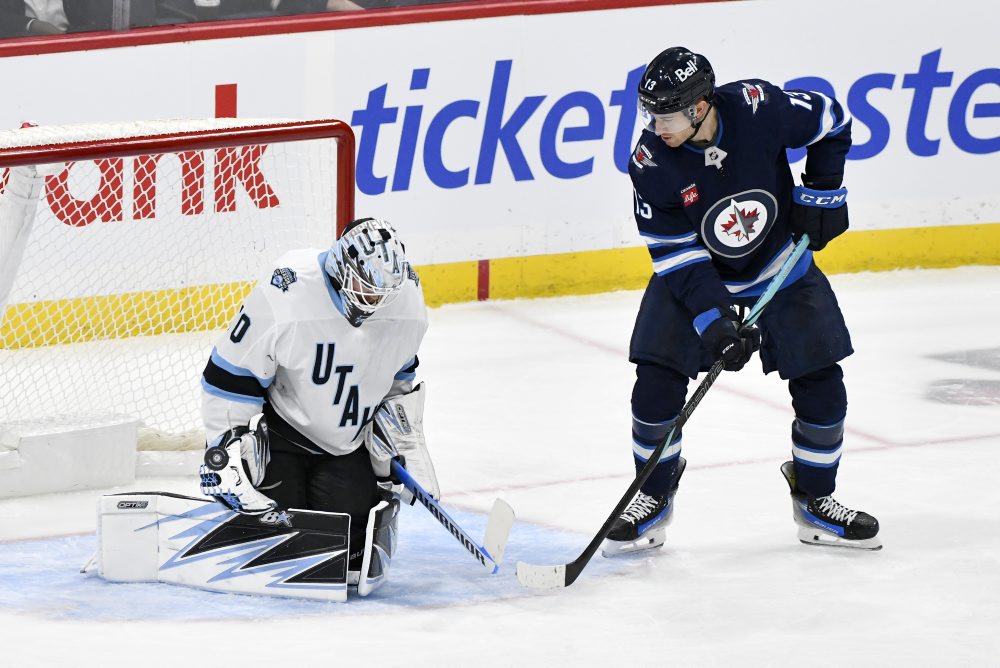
{"type": "Point", "coordinates": [510, 137]}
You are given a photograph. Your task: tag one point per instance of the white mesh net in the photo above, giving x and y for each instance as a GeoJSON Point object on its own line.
{"type": "Point", "coordinates": [118, 273]}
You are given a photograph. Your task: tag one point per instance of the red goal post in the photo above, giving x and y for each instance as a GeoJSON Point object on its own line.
{"type": "Point", "coordinates": [126, 247]}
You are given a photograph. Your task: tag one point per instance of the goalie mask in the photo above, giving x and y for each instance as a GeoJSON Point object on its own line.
{"type": "Point", "coordinates": [368, 266]}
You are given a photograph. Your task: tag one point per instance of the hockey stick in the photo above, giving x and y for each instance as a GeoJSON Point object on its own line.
{"type": "Point", "coordinates": [490, 553]}
{"type": "Point", "coordinates": [563, 575]}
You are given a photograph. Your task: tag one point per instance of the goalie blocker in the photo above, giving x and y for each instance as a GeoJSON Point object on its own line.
{"type": "Point", "coordinates": [396, 432]}
{"type": "Point", "coordinates": [162, 537]}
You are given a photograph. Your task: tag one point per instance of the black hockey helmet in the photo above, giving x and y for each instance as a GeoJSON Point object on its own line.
{"type": "Point", "coordinates": [675, 81]}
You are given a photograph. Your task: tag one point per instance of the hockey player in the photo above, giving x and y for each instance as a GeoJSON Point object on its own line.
{"type": "Point", "coordinates": [716, 203]}
{"type": "Point", "coordinates": [312, 387]}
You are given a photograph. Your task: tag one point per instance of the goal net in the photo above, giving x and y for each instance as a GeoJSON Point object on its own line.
{"type": "Point", "coordinates": [126, 248]}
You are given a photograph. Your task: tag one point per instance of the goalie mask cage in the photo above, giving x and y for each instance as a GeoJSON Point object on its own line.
{"type": "Point", "coordinates": [126, 248]}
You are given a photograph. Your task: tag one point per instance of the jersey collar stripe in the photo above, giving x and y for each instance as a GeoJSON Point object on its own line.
{"type": "Point", "coordinates": [717, 141]}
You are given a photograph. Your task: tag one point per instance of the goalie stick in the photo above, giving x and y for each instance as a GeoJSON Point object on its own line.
{"type": "Point", "coordinates": [501, 519]}
{"type": "Point", "coordinates": [563, 575]}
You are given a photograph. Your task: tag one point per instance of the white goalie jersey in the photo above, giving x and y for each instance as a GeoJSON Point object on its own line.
{"type": "Point", "coordinates": [291, 346]}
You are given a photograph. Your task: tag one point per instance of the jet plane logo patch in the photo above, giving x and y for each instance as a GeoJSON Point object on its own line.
{"type": "Point", "coordinates": [737, 224]}
{"type": "Point", "coordinates": [754, 95]}
{"type": "Point", "coordinates": [643, 157]}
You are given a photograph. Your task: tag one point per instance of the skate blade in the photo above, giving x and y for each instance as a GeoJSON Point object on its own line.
{"type": "Point", "coordinates": [651, 539]}
{"type": "Point", "coordinates": [813, 536]}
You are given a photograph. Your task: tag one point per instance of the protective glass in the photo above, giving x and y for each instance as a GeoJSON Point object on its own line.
{"type": "Point", "coordinates": [672, 123]}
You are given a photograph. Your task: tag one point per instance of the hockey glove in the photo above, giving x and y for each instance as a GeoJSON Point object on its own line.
{"type": "Point", "coordinates": [234, 467]}
{"type": "Point", "coordinates": [819, 209]}
{"type": "Point", "coordinates": [725, 339]}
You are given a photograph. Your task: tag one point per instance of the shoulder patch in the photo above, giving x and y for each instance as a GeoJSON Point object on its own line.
{"type": "Point", "coordinates": [754, 96]}
{"type": "Point", "coordinates": [411, 274]}
{"type": "Point", "coordinates": [282, 278]}
{"type": "Point", "coordinates": [643, 157]}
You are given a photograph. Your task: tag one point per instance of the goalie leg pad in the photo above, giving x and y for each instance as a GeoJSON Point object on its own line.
{"type": "Point", "coordinates": [194, 542]}
{"type": "Point", "coordinates": [380, 545]}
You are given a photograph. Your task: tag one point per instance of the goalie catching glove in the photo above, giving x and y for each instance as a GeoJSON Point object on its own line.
{"type": "Point", "coordinates": [236, 465]}
{"type": "Point", "coordinates": [397, 432]}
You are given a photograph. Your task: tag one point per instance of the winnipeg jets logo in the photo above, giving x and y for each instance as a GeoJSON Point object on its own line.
{"type": "Point", "coordinates": [643, 157]}
{"type": "Point", "coordinates": [754, 96]}
{"type": "Point", "coordinates": [736, 225]}
{"type": "Point", "coordinates": [741, 222]}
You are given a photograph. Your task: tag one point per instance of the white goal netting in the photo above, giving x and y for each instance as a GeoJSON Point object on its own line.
{"type": "Point", "coordinates": [126, 248]}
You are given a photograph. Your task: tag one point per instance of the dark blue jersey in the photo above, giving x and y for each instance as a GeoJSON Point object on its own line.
{"type": "Point", "coordinates": [716, 220]}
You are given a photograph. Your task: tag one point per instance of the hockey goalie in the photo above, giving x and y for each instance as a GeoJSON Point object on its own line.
{"type": "Point", "coordinates": [308, 398]}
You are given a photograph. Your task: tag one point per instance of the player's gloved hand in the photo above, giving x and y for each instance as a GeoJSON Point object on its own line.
{"type": "Point", "coordinates": [394, 487]}
{"type": "Point", "coordinates": [819, 209]}
{"type": "Point", "coordinates": [726, 338]}
{"type": "Point", "coordinates": [235, 465]}
{"type": "Point", "coordinates": [397, 433]}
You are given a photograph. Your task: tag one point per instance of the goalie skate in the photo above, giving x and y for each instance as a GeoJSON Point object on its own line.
{"type": "Point", "coordinates": [824, 521]}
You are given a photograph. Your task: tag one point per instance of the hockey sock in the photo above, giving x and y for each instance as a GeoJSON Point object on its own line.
{"type": "Point", "coordinates": [657, 397]}
{"type": "Point", "coordinates": [820, 403]}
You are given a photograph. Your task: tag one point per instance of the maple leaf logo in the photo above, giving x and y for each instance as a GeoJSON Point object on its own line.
{"type": "Point", "coordinates": [741, 222]}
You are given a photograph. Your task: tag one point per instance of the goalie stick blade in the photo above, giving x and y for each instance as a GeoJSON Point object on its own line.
{"type": "Point", "coordinates": [498, 530]}
{"type": "Point", "coordinates": [541, 577]}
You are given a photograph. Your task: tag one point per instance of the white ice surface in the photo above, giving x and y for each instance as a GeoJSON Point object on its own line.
{"type": "Point", "coordinates": [529, 400]}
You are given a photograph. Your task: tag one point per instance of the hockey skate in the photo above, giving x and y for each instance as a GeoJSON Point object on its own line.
{"type": "Point", "coordinates": [824, 521]}
{"type": "Point", "coordinates": [642, 525]}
